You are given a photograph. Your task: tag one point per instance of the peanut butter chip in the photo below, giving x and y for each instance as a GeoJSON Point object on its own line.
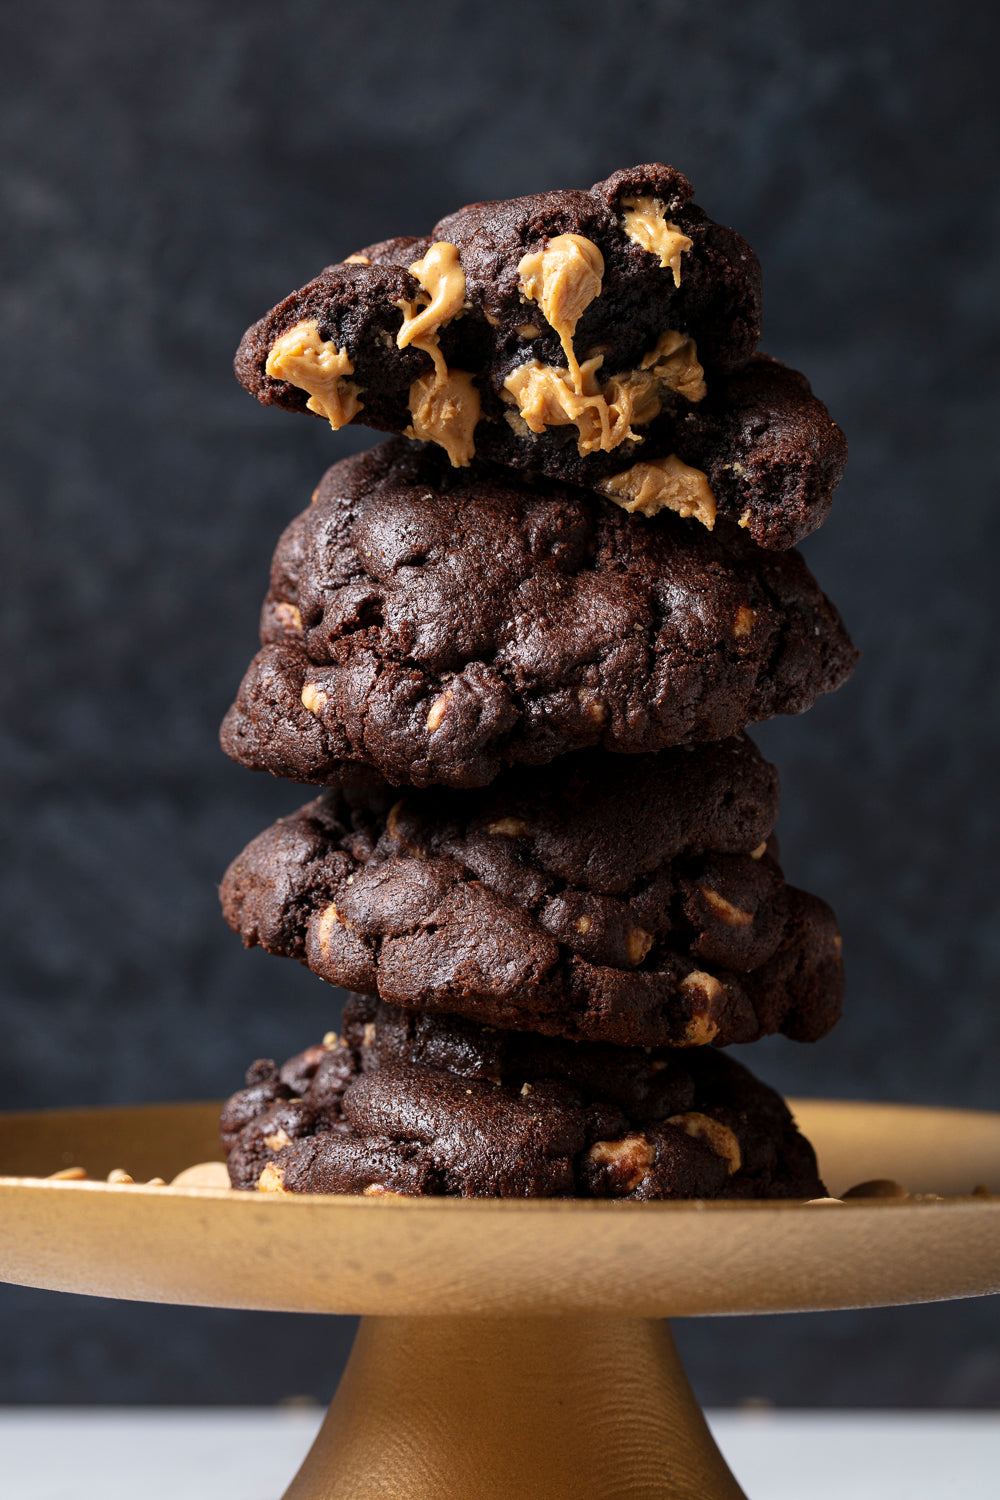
{"type": "Point", "coordinates": [271, 1180]}
{"type": "Point", "coordinates": [329, 919]}
{"type": "Point", "coordinates": [721, 1139]}
{"type": "Point", "coordinates": [702, 983]}
{"type": "Point", "coordinates": [357, 260]}
{"type": "Point", "coordinates": [593, 706]}
{"type": "Point", "coordinates": [277, 1139]}
{"type": "Point", "coordinates": [438, 709]}
{"type": "Point", "coordinates": [316, 365]}
{"type": "Point", "coordinates": [563, 279]}
{"type": "Point", "coordinates": [511, 828]}
{"type": "Point", "coordinates": [444, 405]}
{"type": "Point", "coordinates": [313, 698]}
{"type": "Point", "coordinates": [745, 618]}
{"type": "Point", "coordinates": [674, 363]}
{"type": "Point", "coordinates": [637, 944]}
{"type": "Point", "coordinates": [583, 924]}
{"type": "Point", "coordinates": [699, 1031]}
{"type": "Point", "coordinates": [646, 224]}
{"type": "Point", "coordinates": [760, 851]}
{"type": "Point", "coordinates": [632, 1158]}
{"type": "Point", "coordinates": [702, 1028]}
{"type": "Point", "coordinates": [289, 616]}
{"type": "Point", "coordinates": [663, 484]}
{"type": "Point", "coordinates": [732, 915]}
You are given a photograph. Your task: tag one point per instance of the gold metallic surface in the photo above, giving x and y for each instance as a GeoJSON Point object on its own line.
{"type": "Point", "coordinates": [445, 1400]}
{"type": "Point", "coordinates": [514, 1409]}
{"type": "Point", "coordinates": [448, 1256]}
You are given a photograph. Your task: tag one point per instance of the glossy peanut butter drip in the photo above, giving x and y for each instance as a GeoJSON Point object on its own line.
{"type": "Point", "coordinates": [564, 279]}
{"type": "Point", "coordinates": [606, 415]}
{"type": "Point", "coordinates": [316, 365]}
{"type": "Point", "coordinates": [445, 411]}
{"type": "Point", "coordinates": [646, 224]}
{"type": "Point", "coordinates": [673, 362]}
{"type": "Point", "coordinates": [444, 405]}
{"type": "Point", "coordinates": [663, 484]}
{"type": "Point", "coordinates": [547, 396]}
{"type": "Point", "coordinates": [442, 279]}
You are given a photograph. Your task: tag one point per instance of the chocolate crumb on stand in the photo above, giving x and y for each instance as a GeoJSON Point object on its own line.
{"type": "Point", "coordinates": [518, 645]}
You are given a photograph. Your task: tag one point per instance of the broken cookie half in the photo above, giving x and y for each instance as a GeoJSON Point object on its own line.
{"type": "Point", "coordinates": [590, 336]}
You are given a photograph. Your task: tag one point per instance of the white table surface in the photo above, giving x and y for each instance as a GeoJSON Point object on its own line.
{"type": "Point", "coordinates": [104, 1453]}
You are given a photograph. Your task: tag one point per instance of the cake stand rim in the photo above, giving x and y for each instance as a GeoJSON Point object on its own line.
{"type": "Point", "coordinates": [390, 1256]}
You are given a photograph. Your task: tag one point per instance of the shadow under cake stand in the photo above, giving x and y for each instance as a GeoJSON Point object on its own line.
{"type": "Point", "coordinates": [508, 1349]}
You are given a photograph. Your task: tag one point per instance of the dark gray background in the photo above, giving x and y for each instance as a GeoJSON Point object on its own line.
{"type": "Point", "coordinates": [170, 170]}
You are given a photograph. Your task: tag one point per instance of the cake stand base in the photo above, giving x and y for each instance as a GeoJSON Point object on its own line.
{"type": "Point", "coordinates": [446, 1408]}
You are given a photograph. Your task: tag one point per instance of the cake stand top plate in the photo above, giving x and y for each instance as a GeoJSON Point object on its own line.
{"type": "Point", "coordinates": [214, 1248]}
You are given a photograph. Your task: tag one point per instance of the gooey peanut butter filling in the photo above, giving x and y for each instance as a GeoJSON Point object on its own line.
{"type": "Point", "coordinates": [605, 416]}
{"type": "Point", "coordinates": [673, 362]}
{"type": "Point", "coordinates": [442, 279]}
{"type": "Point", "coordinates": [646, 224]}
{"type": "Point", "coordinates": [547, 396]}
{"type": "Point", "coordinates": [445, 411]}
{"type": "Point", "coordinates": [563, 278]}
{"type": "Point", "coordinates": [444, 405]}
{"type": "Point", "coordinates": [663, 484]}
{"type": "Point", "coordinates": [316, 365]}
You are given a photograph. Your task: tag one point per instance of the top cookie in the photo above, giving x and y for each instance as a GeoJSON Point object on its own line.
{"type": "Point", "coordinates": [585, 335]}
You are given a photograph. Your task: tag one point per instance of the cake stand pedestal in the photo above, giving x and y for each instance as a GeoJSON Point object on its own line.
{"type": "Point", "coordinates": [507, 1349]}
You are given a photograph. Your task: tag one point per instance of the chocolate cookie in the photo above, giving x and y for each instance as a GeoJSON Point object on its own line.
{"type": "Point", "coordinates": [586, 336]}
{"type": "Point", "coordinates": [427, 1105]}
{"type": "Point", "coordinates": [435, 623]}
{"type": "Point", "coordinates": [629, 900]}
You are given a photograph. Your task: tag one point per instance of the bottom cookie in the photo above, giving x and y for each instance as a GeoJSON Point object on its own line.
{"type": "Point", "coordinates": [426, 1105]}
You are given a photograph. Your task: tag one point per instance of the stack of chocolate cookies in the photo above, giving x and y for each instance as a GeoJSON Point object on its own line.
{"type": "Point", "coordinates": [518, 645]}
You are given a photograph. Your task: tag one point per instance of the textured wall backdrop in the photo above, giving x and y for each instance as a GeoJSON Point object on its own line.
{"type": "Point", "coordinates": [172, 169]}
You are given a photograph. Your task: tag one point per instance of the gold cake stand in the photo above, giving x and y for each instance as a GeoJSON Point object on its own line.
{"type": "Point", "coordinates": [509, 1350]}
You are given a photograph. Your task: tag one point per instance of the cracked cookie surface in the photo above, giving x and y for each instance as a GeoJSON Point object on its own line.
{"type": "Point", "coordinates": [423, 1105]}
{"type": "Point", "coordinates": [634, 900]}
{"type": "Point", "coordinates": [437, 623]}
